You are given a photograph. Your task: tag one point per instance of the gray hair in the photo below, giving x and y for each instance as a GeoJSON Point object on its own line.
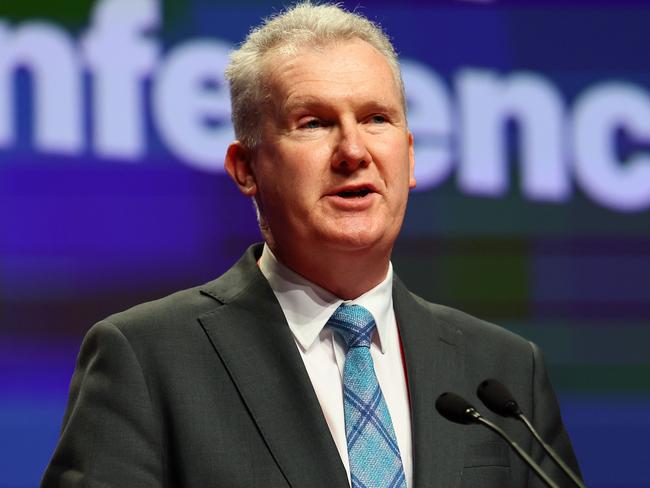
{"type": "Point", "coordinates": [304, 24]}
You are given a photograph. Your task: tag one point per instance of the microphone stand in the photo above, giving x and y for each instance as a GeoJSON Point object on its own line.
{"type": "Point", "coordinates": [550, 452]}
{"type": "Point", "coordinates": [518, 450]}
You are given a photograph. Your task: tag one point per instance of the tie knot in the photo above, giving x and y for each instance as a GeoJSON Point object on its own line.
{"type": "Point", "coordinates": [354, 323]}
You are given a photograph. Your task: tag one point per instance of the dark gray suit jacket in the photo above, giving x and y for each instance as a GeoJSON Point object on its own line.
{"type": "Point", "coordinates": [206, 388]}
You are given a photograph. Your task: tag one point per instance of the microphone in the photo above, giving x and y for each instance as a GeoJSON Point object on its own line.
{"type": "Point", "coordinates": [497, 398]}
{"type": "Point", "coordinates": [458, 410]}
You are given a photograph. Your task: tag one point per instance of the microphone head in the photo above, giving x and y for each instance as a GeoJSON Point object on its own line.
{"type": "Point", "coordinates": [456, 409]}
{"type": "Point", "coordinates": [497, 398]}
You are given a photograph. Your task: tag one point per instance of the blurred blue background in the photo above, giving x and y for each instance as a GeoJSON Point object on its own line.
{"type": "Point", "coordinates": [532, 127]}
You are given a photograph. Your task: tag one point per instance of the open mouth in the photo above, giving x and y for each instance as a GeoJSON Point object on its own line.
{"type": "Point", "coordinates": [361, 192]}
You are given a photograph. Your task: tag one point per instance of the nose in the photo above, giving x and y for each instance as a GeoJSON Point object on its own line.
{"type": "Point", "coordinates": [351, 151]}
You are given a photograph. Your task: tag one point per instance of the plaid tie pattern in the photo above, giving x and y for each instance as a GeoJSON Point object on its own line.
{"type": "Point", "coordinates": [375, 460]}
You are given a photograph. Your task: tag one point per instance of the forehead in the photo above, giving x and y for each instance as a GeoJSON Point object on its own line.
{"type": "Point", "coordinates": [348, 70]}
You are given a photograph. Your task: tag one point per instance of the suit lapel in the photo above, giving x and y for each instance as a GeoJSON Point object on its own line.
{"type": "Point", "coordinates": [251, 336]}
{"type": "Point", "coordinates": [434, 365]}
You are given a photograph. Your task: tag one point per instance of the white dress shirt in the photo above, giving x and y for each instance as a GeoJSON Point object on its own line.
{"type": "Point", "coordinates": [307, 308]}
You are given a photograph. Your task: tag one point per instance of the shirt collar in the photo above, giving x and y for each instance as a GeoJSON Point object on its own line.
{"type": "Point", "coordinates": [307, 306]}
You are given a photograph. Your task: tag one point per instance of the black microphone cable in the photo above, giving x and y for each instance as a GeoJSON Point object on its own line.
{"type": "Point", "coordinates": [456, 409]}
{"type": "Point", "coordinates": [498, 398]}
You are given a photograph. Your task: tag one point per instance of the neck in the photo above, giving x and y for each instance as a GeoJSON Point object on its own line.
{"type": "Point", "coordinates": [347, 275]}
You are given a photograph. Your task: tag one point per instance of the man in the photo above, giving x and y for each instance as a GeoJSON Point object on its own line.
{"type": "Point", "coordinates": [308, 364]}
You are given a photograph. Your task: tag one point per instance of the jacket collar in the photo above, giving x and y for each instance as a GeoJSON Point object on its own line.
{"type": "Point", "coordinates": [433, 357]}
{"type": "Point", "coordinates": [252, 338]}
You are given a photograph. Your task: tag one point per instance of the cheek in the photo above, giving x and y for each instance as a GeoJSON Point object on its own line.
{"type": "Point", "coordinates": [303, 174]}
{"type": "Point", "coordinates": [289, 191]}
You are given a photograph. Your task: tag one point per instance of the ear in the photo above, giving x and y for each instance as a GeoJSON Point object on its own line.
{"type": "Point", "coordinates": [238, 166]}
{"type": "Point", "coordinates": [412, 181]}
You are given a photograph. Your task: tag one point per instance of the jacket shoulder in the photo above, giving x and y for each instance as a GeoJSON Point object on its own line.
{"type": "Point", "coordinates": [187, 306]}
{"type": "Point", "coordinates": [174, 308]}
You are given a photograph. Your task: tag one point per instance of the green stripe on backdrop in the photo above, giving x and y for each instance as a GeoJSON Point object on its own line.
{"type": "Point", "coordinates": [601, 378]}
{"type": "Point", "coordinates": [69, 13]}
{"type": "Point", "coordinates": [465, 278]}
{"type": "Point", "coordinates": [588, 358]}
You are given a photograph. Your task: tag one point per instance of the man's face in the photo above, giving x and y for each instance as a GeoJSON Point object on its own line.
{"type": "Point", "coordinates": [335, 163]}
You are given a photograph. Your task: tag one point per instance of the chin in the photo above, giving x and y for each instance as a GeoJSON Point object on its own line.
{"type": "Point", "coordinates": [354, 241]}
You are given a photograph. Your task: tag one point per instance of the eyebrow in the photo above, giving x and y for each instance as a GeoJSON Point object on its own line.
{"type": "Point", "coordinates": [308, 102]}
{"type": "Point", "coordinates": [299, 103]}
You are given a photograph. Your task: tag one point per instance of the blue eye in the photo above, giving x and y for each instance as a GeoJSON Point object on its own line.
{"type": "Point", "coordinates": [313, 124]}
{"type": "Point", "coordinates": [378, 119]}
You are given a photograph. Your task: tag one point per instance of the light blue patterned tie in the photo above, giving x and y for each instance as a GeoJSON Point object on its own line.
{"type": "Point", "coordinates": [375, 460]}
